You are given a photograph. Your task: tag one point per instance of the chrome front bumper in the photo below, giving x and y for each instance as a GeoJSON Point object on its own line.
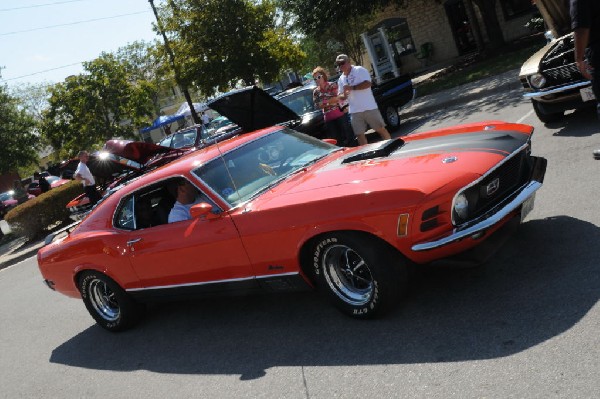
{"type": "Point", "coordinates": [561, 89]}
{"type": "Point", "coordinates": [523, 199]}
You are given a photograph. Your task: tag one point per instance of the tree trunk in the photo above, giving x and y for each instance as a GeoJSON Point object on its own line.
{"type": "Point", "coordinates": [475, 28]}
{"type": "Point", "coordinates": [490, 20]}
{"type": "Point", "coordinates": [556, 15]}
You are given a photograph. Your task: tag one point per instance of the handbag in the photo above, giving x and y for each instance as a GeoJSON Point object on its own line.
{"type": "Point", "coordinates": [334, 114]}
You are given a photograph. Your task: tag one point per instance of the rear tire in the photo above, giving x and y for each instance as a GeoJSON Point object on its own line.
{"type": "Point", "coordinates": [362, 277]}
{"type": "Point", "coordinates": [391, 116]}
{"type": "Point", "coordinates": [108, 303]}
{"type": "Point", "coordinates": [545, 116]}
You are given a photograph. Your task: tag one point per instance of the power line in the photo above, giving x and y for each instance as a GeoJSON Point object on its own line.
{"type": "Point", "coordinates": [72, 23]}
{"type": "Point", "coordinates": [40, 5]}
{"type": "Point", "coordinates": [44, 71]}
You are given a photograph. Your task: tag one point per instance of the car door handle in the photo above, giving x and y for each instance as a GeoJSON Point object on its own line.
{"type": "Point", "coordinates": [133, 241]}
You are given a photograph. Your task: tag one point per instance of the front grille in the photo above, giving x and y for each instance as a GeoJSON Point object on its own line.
{"type": "Point", "coordinates": [496, 186]}
{"type": "Point", "coordinates": [562, 75]}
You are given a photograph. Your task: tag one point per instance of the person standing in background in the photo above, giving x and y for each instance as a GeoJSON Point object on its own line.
{"type": "Point", "coordinates": [325, 96]}
{"type": "Point", "coordinates": [354, 84]}
{"type": "Point", "coordinates": [83, 174]}
{"type": "Point", "coordinates": [585, 21]}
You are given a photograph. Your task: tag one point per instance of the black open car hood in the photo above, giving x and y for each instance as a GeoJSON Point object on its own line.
{"type": "Point", "coordinates": [252, 109]}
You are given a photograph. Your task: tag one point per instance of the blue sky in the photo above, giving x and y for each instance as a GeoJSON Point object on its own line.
{"type": "Point", "coordinates": [44, 41]}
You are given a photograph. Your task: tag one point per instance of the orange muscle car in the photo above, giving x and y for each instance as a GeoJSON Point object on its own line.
{"type": "Point", "coordinates": [278, 210]}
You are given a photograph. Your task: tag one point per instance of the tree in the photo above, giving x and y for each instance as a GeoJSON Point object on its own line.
{"type": "Point", "coordinates": [103, 102]}
{"type": "Point", "coordinates": [17, 136]}
{"type": "Point", "coordinates": [217, 43]}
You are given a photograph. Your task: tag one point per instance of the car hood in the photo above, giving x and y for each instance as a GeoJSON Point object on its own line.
{"type": "Point", "coordinates": [252, 109]}
{"type": "Point", "coordinates": [421, 166]}
{"type": "Point", "coordinates": [137, 151]}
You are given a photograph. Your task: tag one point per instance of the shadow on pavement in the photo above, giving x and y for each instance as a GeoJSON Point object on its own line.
{"type": "Point", "coordinates": [531, 292]}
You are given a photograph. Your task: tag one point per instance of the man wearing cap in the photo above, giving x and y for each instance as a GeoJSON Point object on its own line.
{"type": "Point", "coordinates": [355, 85]}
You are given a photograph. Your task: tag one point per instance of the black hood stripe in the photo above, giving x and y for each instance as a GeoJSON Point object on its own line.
{"type": "Point", "coordinates": [495, 142]}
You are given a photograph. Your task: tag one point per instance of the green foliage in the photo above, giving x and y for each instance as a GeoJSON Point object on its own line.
{"type": "Point", "coordinates": [90, 108]}
{"type": "Point", "coordinates": [335, 25]}
{"type": "Point", "coordinates": [32, 218]}
{"type": "Point", "coordinates": [217, 43]}
{"type": "Point", "coordinates": [17, 127]}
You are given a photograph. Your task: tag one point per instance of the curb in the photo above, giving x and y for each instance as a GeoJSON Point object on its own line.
{"type": "Point", "coordinates": [461, 94]}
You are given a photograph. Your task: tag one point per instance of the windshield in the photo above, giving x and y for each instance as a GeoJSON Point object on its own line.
{"type": "Point", "coordinates": [186, 138]}
{"type": "Point", "coordinates": [52, 179]}
{"type": "Point", "coordinates": [247, 170]}
{"type": "Point", "coordinates": [6, 196]}
{"type": "Point", "coordinates": [300, 102]}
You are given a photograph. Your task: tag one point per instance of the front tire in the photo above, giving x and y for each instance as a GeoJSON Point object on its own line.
{"type": "Point", "coordinates": [363, 277]}
{"type": "Point", "coordinates": [108, 303]}
{"type": "Point", "coordinates": [545, 116]}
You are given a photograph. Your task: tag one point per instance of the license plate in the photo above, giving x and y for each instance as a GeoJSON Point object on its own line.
{"type": "Point", "coordinates": [527, 207]}
{"type": "Point", "coordinates": [587, 94]}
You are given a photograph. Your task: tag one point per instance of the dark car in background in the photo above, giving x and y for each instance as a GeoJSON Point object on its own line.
{"type": "Point", "coordinates": [552, 81]}
{"type": "Point", "coordinates": [300, 100]}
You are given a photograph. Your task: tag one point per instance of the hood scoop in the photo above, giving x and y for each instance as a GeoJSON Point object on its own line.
{"type": "Point", "coordinates": [384, 149]}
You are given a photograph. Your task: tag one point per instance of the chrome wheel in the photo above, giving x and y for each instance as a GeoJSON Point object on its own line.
{"type": "Point", "coordinates": [104, 300]}
{"type": "Point", "coordinates": [348, 275]}
{"type": "Point", "coordinates": [391, 116]}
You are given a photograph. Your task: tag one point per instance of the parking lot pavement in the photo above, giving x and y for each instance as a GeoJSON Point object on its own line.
{"type": "Point", "coordinates": [434, 102]}
{"type": "Point", "coordinates": [17, 250]}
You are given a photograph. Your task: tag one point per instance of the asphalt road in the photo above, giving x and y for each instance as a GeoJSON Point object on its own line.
{"type": "Point", "coordinates": [525, 325]}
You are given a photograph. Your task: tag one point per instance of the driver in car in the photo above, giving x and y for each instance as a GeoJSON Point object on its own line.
{"type": "Point", "coordinates": [187, 196]}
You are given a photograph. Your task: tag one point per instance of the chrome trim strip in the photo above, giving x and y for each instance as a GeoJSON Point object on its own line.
{"type": "Point", "coordinates": [233, 280]}
{"type": "Point", "coordinates": [557, 90]}
{"type": "Point", "coordinates": [523, 196]}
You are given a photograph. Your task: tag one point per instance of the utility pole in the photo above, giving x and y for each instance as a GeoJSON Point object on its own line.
{"type": "Point", "coordinates": [183, 88]}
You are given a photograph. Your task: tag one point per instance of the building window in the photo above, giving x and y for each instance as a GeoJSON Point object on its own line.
{"type": "Point", "coordinates": [515, 8]}
{"type": "Point", "coordinates": [399, 37]}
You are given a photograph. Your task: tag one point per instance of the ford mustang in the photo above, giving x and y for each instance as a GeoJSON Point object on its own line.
{"type": "Point", "coordinates": [279, 210]}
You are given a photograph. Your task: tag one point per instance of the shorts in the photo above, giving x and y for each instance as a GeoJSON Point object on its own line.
{"type": "Point", "coordinates": [371, 117]}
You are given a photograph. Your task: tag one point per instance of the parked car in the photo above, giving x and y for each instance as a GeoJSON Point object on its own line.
{"type": "Point", "coordinates": [9, 201]}
{"type": "Point", "coordinates": [280, 210]}
{"type": "Point", "coordinates": [34, 187]}
{"type": "Point", "coordinates": [552, 81]}
{"type": "Point", "coordinates": [300, 100]}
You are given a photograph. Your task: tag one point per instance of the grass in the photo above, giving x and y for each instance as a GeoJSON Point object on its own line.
{"type": "Point", "coordinates": [478, 66]}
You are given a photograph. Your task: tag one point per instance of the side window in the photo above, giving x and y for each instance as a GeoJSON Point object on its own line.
{"type": "Point", "coordinates": [125, 215]}
{"type": "Point", "coordinates": [150, 206]}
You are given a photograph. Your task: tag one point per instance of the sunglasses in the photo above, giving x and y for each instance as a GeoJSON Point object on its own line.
{"type": "Point", "coordinates": [340, 63]}
{"type": "Point", "coordinates": [319, 77]}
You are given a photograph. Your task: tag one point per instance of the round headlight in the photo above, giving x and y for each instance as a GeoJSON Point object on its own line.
{"type": "Point", "coordinates": [537, 80]}
{"type": "Point", "coordinates": [461, 206]}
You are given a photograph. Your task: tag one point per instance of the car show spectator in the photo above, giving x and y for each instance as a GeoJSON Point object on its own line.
{"type": "Point", "coordinates": [325, 96]}
{"type": "Point", "coordinates": [354, 85]}
{"type": "Point", "coordinates": [585, 21]}
{"type": "Point", "coordinates": [43, 183]}
{"type": "Point", "coordinates": [83, 173]}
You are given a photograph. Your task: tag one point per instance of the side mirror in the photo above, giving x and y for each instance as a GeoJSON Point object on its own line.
{"type": "Point", "coordinates": [202, 211]}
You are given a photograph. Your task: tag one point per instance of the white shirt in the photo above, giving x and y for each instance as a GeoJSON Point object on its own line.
{"type": "Point", "coordinates": [181, 211]}
{"type": "Point", "coordinates": [358, 100]}
{"type": "Point", "coordinates": [85, 173]}
{"type": "Point", "coordinates": [205, 119]}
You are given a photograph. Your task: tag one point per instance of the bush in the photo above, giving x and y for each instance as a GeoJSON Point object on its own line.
{"type": "Point", "coordinates": [34, 217]}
